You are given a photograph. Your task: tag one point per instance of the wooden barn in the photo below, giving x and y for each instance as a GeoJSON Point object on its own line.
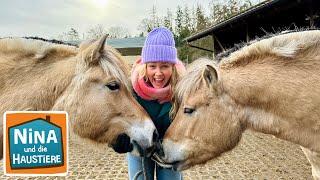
{"type": "Point", "coordinates": [267, 17]}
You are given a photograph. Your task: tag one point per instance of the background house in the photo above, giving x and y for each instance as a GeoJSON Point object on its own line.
{"type": "Point", "coordinates": [130, 48]}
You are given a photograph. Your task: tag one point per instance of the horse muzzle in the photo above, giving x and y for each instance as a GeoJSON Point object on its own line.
{"type": "Point", "coordinates": [143, 148]}
{"type": "Point", "coordinates": [170, 156]}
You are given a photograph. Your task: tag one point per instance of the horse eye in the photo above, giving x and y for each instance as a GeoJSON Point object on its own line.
{"type": "Point", "coordinates": [113, 86]}
{"type": "Point", "coordinates": [188, 110]}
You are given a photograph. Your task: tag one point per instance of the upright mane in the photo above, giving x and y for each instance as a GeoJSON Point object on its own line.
{"type": "Point", "coordinates": [287, 46]}
{"type": "Point", "coordinates": [51, 40]}
{"type": "Point", "coordinates": [35, 48]}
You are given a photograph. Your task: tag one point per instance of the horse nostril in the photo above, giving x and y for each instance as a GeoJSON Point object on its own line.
{"type": "Point", "coordinates": [155, 136]}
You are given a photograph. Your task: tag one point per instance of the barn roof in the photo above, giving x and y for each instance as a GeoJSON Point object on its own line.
{"type": "Point", "coordinates": [267, 17]}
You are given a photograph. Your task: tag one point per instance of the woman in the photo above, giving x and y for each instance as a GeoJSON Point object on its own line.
{"type": "Point", "coordinates": [154, 77]}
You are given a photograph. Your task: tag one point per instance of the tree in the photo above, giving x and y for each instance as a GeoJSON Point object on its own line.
{"type": "Point", "coordinates": [201, 19]}
{"type": "Point", "coordinates": [216, 14]}
{"type": "Point", "coordinates": [246, 5]}
{"type": "Point", "coordinates": [167, 20]}
{"type": "Point", "coordinates": [72, 35]}
{"type": "Point", "coordinates": [95, 32]}
{"type": "Point", "coordinates": [184, 31]}
{"type": "Point", "coordinates": [155, 20]}
{"type": "Point", "coordinates": [178, 20]}
{"type": "Point", "coordinates": [193, 20]}
{"type": "Point", "coordinates": [186, 22]}
{"type": "Point", "coordinates": [186, 19]}
{"type": "Point", "coordinates": [118, 32]}
{"type": "Point", "coordinates": [222, 11]}
{"type": "Point", "coordinates": [147, 24]}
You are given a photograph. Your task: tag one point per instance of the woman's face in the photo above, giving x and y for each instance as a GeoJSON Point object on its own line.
{"type": "Point", "coordinates": [159, 73]}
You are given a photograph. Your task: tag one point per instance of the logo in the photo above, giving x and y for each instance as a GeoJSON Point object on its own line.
{"type": "Point", "coordinates": [35, 143]}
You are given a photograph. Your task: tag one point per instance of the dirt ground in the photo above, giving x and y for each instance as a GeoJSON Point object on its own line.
{"type": "Point", "coordinates": [258, 156]}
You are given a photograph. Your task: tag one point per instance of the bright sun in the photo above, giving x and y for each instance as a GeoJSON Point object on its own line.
{"type": "Point", "coordinates": [100, 3]}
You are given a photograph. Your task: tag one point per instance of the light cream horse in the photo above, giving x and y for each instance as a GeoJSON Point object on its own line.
{"type": "Point", "coordinates": [271, 86]}
{"type": "Point", "coordinates": [90, 83]}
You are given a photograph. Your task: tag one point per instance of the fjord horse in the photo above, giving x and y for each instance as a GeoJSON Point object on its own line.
{"type": "Point", "coordinates": [271, 86]}
{"type": "Point", "coordinates": [91, 83]}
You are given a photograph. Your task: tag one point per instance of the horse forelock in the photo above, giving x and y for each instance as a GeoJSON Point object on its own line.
{"type": "Point", "coordinates": [35, 47]}
{"type": "Point", "coordinates": [113, 64]}
{"type": "Point", "coordinates": [191, 81]}
{"type": "Point", "coordinates": [287, 45]}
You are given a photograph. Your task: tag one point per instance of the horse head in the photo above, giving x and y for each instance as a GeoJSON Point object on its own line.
{"type": "Point", "coordinates": [91, 83]}
{"type": "Point", "coordinates": [99, 98]}
{"type": "Point", "coordinates": [202, 121]}
{"type": "Point", "coordinates": [270, 86]}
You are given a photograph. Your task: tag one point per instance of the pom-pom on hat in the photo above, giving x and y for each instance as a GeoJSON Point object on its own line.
{"type": "Point", "coordinates": [159, 47]}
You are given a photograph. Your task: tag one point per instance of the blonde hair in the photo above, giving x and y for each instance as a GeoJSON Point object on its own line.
{"type": "Point", "coordinates": [175, 77]}
{"type": "Point", "coordinates": [142, 70]}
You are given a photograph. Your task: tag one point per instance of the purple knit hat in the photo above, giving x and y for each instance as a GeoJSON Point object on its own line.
{"type": "Point", "coordinates": [159, 47]}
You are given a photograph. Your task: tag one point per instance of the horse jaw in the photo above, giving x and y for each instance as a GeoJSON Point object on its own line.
{"type": "Point", "coordinates": [184, 154]}
{"type": "Point", "coordinates": [174, 152]}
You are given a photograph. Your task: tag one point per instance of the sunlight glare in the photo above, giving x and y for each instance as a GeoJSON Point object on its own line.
{"type": "Point", "coordinates": [100, 3]}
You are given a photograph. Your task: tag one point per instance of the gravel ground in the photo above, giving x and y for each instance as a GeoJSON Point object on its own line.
{"type": "Point", "coordinates": [258, 156]}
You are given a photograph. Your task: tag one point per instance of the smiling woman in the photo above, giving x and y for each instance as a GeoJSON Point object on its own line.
{"type": "Point", "coordinates": [153, 78]}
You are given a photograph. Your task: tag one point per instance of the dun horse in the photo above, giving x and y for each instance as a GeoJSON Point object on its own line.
{"type": "Point", "coordinates": [90, 83]}
{"type": "Point", "coordinates": [271, 86]}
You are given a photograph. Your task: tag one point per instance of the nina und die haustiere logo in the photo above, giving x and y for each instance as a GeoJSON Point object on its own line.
{"type": "Point", "coordinates": [35, 143]}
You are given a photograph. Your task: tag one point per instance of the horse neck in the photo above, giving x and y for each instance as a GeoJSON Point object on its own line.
{"type": "Point", "coordinates": [37, 87]}
{"type": "Point", "coordinates": [260, 109]}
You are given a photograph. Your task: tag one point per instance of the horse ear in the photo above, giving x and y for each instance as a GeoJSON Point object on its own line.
{"type": "Point", "coordinates": [210, 75]}
{"type": "Point", "coordinates": [91, 51]}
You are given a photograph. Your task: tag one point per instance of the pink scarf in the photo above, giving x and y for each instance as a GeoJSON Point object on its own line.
{"type": "Point", "coordinates": [147, 92]}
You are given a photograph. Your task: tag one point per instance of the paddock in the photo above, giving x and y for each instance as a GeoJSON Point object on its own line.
{"type": "Point", "coordinates": [258, 156]}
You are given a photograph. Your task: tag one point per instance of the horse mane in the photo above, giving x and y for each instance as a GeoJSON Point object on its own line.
{"type": "Point", "coordinates": [38, 48]}
{"type": "Point", "coordinates": [240, 45]}
{"type": "Point", "coordinates": [35, 49]}
{"type": "Point", "coordinates": [54, 41]}
{"type": "Point", "coordinates": [287, 45]}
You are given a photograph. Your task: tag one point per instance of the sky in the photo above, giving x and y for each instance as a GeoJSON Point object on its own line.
{"type": "Point", "coordinates": [50, 18]}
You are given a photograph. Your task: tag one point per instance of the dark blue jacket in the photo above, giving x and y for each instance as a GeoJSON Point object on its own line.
{"type": "Point", "coordinates": [159, 113]}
